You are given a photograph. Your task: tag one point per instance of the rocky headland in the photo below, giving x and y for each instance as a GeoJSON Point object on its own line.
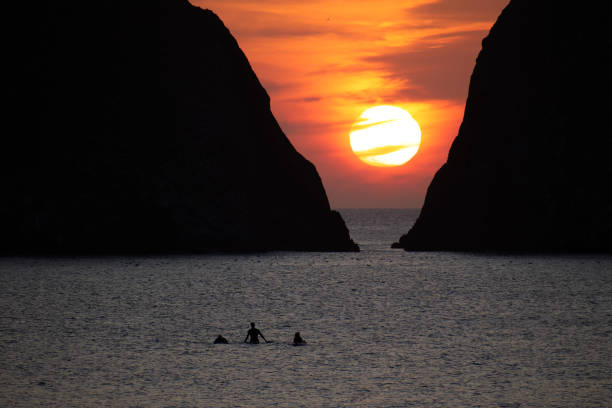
{"type": "Point", "coordinates": [530, 168]}
{"type": "Point", "coordinates": [140, 127]}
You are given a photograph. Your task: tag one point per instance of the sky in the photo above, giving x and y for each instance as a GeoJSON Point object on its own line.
{"type": "Point", "coordinates": [324, 62]}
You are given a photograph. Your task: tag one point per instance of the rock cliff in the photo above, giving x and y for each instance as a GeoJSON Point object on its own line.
{"type": "Point", "coordinates": [139, 126]}
{"type": "Point", "coordinates": [530, 168]}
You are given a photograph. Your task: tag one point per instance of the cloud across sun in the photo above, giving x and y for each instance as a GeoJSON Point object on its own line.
{"type": "Point", "coordinates": [324, 62]}
{"type": "Point", "coordinates": [385, 136]}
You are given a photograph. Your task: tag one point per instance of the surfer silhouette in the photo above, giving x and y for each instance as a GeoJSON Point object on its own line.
{"type": "Point", "coordinates": [220, 340]}
{"type": "Point", "coordinates": [298, 340]}
{"type": "Point", "coordinates": [254, 334]}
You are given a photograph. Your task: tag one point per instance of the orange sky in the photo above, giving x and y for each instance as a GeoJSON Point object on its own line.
{"type": "Point", "coordinates": [323, 62]}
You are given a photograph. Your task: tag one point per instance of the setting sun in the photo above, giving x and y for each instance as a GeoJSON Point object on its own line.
{"type": "Point", "coordinates": [385, 136]}
{"type": "Point", "coordinates": [323, 63]}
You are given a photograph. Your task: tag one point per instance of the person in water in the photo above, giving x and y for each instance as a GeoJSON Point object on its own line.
{"type": "Point", "coordinates": [254, 334]}
{"type": "Point", "coordinates": [298, 340]}
{"type": "Point", "coordinates": [220, 340]}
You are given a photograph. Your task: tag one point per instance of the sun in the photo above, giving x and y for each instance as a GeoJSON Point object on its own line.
{"type": "Point", "coordinates": [385, 136]}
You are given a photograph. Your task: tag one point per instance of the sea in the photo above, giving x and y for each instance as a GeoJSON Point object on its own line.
{"type": "Point", "coordinates": [384, 328]}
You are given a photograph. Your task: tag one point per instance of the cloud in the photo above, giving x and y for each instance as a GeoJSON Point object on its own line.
{"type": "Point", "coordinates": [458, 10]}
{"type": "Point", "coordinates": [324, 61]}
{"type": "Point", "coordinates": [439, 64]}
{"type": "Point", "coordinates": [306, 99]}
{"type": "Point", "coordinates": [276, 86]}
{"type": "Point", "coordinates": [280, 23]}
{"type": "Point", "coordinates": [437, 67]}
{"type": "Point", "coordinates": [366, 124]}
{"type": "Point", "coordinates": [287, 30]}
{"type": "Point", "coordinates": [379, 151]}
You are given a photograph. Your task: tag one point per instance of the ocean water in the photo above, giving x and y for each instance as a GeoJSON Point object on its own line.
{"type": "Point", "coordinates": [385, 328]}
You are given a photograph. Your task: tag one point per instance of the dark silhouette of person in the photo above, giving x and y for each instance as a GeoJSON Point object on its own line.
{"type": "Point", "coordinates": [220, 340]}
{"type": "Point", "coordinates": [254, 334]}
{"type": "Point", "coordinates": [298, 340]}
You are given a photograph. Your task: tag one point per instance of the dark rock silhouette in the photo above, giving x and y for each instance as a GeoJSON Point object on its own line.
{"type": "Point", "coordinates": [140, 127]}
{"type": "Point", "coordinates": [530, 168]}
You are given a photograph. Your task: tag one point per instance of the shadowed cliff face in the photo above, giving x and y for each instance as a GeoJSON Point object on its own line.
{"type": "Point", "coordinates": [530, 168]}
{"type": "Point", "coordinates": [140, 127]}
